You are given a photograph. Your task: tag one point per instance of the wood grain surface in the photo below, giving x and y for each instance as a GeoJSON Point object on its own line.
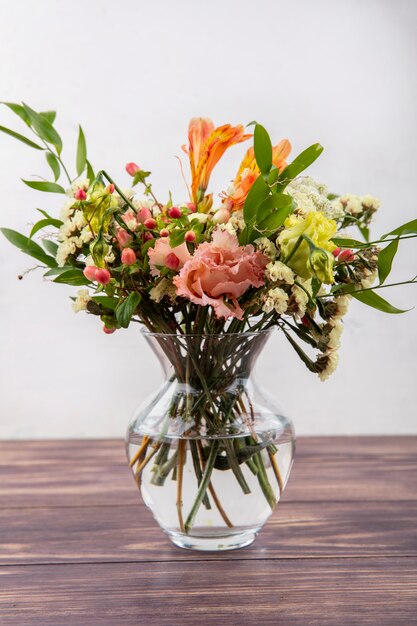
{"type": "Point", "coordinates": [78, 547]}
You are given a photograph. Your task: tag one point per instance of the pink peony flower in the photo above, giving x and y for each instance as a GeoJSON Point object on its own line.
{"type": "Point", "coordinates": [162, 251]}
{"type": "Point", "coordinates": [221, 269]}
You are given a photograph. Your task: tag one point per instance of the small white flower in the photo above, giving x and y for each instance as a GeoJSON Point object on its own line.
{"type": "Point", "coordinates": [200, 217]}
{"type": "Point", "coordinates": [279, 271]}
{"type": "Point", "coordinates": [331, 365]}
{"type": "Point", "coordinates": [267, 247]}
{"type": "Point", "coordinates": [371, 276]}
{"type": "Point", "coordinates": [228, 227]}
{"type": "Point", "coordinates": [81, 301]}
{"type": "Point", "coordinates": [163, 288]}
{"type": "Point", "coordinates": [109, 258]}
{"type": "Point", "coordinates": [370, 202]}
{"type": "Point", "coordinates": [237, 220]}
{"type": "Point", "coordinates": [300, 296]}
{"type": "Point", "coordinates": [334, 336]}
{"type": "Point", "coordinates": [342, 303]}
{"type": "Point", "coordinates": [276, 299]}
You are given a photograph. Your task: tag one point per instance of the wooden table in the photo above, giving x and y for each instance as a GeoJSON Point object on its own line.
{"type": "Point", "coordinates": [77, 546]}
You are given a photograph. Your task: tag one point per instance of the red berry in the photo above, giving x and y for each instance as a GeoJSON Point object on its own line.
{"type": "Point", "coordinates": [147, 236]}
{"type": "Point", "coordinates": [190, 236]}
{"type": "Point", "coordinates": [102, 276]}
{"type": "Point", "coordinates": [346, 256]}
{"type": "Point", "coordinates": [132, 168]}
{"type": "Point", "coordinates": [192, 207]}
{"type": "Point", "coordinates": [128, 256]}
{"type": "Point", "coordinates": [164, 232]}
{"type": "Point", "coordinates": [90, 272]}
{"type": "Point", "coordinates": [108, 331]}
{"type": "Point", "coordinates": [110, 188]}
{"type": "Point", "coordinates": [150, 223]}
{"type": "Point", "coordinates": [174, 212]}
{"type": "Point", "coordinates": [172, 261]}
{"type": "Point", "coordinates": [336, 252]}
{"type": "Point", "coordinates": [80, 194]}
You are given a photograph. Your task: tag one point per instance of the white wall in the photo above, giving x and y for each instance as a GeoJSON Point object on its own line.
{"type": "Point", "coordinates": [133, 73]}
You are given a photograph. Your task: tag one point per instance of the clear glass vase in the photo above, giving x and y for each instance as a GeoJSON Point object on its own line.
{"type": "Point", "coordinates": [211, 451]}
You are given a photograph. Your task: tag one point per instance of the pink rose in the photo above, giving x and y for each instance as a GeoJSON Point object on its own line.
{"type": "Point", "coordinates": [221, 269]}
{"type": "Point", "coordinates": [162, 255]}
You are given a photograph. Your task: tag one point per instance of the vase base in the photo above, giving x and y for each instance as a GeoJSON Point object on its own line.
{"type": "Point", "coordinates": [213, 542]}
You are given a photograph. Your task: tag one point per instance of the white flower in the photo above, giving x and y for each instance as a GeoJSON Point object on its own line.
{"type": "Point", "coordinates": [334, 336]}
{"type": "Point", "coordinates": [163, 288]}
{"type": "Point", "coordinates": [312, 196]}
{"type": "Point", "coordinates": [109, 258]}
{"type": "Point", "coordinates": [132, 225]}
{"type": "Point", "coordinates": [279, 271]}
{"type": "Point", "coordinates": [266, 246]}
{"type": "Point", "coordinates": [78, 219]}
{"type": "Point", "coordinates": [371, 276]}
{"type": "Point", "coordinates": [86, 235]}
{"type": "Point", "coordinates": [342, 304]}
{"type": "Point", "coordinates": [301, 296]}
{"type": "Point", "coordinates": [81, 301]}
{"type": "Point", "coordinates": [67, 210]}
{"type": "Point", "coordinates": [65, 249]}
{"type": "Point", "coordinates": [143, 203]}
{"type": "Point", "coordinates": [200, 217]}
{"type": "Point", "coordinates": [332, 359]}
{"type": "Point", "coordinates": [276, 299]}
{"type": "Point", "coordinates": [370, 202]}
{"type": "Point", "coordinates": [80, 183]}
{"type": "Point", "coordinates": [228, 227]}
{"type": "Point", "coordinates": [237, 220]}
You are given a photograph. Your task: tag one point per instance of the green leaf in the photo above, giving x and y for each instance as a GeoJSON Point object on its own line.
{"type": "Point", "coordinates": [364, 231]}
{"type": "Point", "coordinates": [375, 301]}
{"type": "Point", "coordinates": [19, 110]}
{"type": "Point", "coordinates": [126, 309]}
{"type": "Point", "coordinates": [300, 163]}
{"type": "Point", "coordinates": [263, 149]}
{"type": "Point", "coordinates": [344, 242]}
{"type": "Point", "coordinates": [106, 301]}
{"type": "Point", "coordinates": [28, 246]}
{"type": "Point", "coordinates": [90, 172]}
{"type": "Point", "coordinates": [44, 129]}
{"type": "Point", "coordinates": [385, 259]}
{"type": "Point", "coordinates": [140, 177]}
{"type": "Point", "coordinates": [50, 246]}
{"type": "Point", "coordinates": [48, 221]}
{"type": "Point", "coordinates": [73, 277]}
{"type": "Point", "coordinates": [53, 164]}
{"type": "Point", "coordinates": [55, 271]}
{"type": "Point", "coordinates": [176, 237]}
{"type": "Point", "coordinates": [44, 186]}
{"type": "Point", "coordinates": [49, 116]}
{"type": "Point", "coordinates": [271, 223]}
{"type": "Point", "coordinates": [275, 201]}
{"type": "Point", "coordinates": [81, 152]}
{"type": "Point", "coordinates": [20, 137]}
{"type": "Point", "coordinates": [257, 194]}
{"type": "Point", "coordinates": [408, 227]}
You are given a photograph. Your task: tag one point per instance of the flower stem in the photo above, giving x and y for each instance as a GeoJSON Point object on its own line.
{"type": "Point", "coordinates": [180, 468]}
{"type": "Point", "coordinates": [203, 486]}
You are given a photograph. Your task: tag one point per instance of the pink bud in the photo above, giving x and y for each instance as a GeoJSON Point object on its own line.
{"type": "Point", "coordinates": [174, 212]}
{"type": "Point", "coordinates": [336, 252]}
{"type": "Point", "coordinates": [221, 216]}
{"type": "Point", "coordinates": [110, 188]}
{"type": "Point", "coordinates": [80, 194]}
{"type": "Point", "coordinates": [102, 276]}
{"type": "Point", "coordinates": [128, 256]}
{"type": "Point", "coordinates": [150, 223]}
{"type": "Point", "coordinates": [172, 261]}
{"type": "Point", "coordinates": [143, 214]}
{"type": "Point", "coordinates": [108, 331]}
{"type": "Point", "coordinates": [123, 237]}
{"type": "Point", "coordinates": [147, 236]}
{"type": "Point", "coordinates": [346, 256]}
{"type": "Point", "coordinates": [192, 207]}
{"type": "Point", "coordinates": [164, 232]}
{"type": "Point", "coordinates": [132, 168]}
{"type": "Point", "coordinates": [90, 272]}
{"type": "Point", "coordinates": [190, 236]}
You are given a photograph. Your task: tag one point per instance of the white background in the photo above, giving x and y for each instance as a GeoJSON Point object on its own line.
{"type": "Point", "coordinates": [133, 73]}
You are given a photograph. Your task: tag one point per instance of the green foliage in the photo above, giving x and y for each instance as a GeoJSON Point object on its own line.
{"type": "Point", "coordinates": [19, 110]}
{"type": "Point", "coordinates": [41, 185]}
{"type": "Point", "coordinates": [48, 221]}
{"type": "Point", "coordinates": [53, 164]}
{"type": "Point", "coordinates": [73, 277]}
{"type": "Point", "coordinates": [263, 149]}
{"type": "Point", "coordinates": [385, 259]}
{"type": "Point", "coordinates": [50, 246]}
{"type": "Point", "coordinates": [81, 152]}
{"type": "Point", "coordinates": [28, 246]}
{"type": "Point", "coordinates": [106, 302]}
{"type": "Point", "coordinates": [49, 116]}
{"type": "Point", "coordinates": [44, 128]}
{"type": "Point", "coordinates": [176, 237]}
{"type": "Point", "coordinates": [407, 228]}
{"type": "Point", "coordinates": [126, 308]}
{"type": "Point", "coordinates": [375, 301]}
{"type": "Point", "coordinates": [21, 138]}
{"type": "Point", "coordinates": [300, 163]}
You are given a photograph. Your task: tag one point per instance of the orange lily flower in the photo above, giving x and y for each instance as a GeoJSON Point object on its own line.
{"type": "Point", "coordinates": [206, 147]}
{"type": "Point", "coordinates": [248, 172]}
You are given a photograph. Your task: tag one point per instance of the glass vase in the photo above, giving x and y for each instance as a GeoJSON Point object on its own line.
{"type": "Point", "coordinates": [211, 451]}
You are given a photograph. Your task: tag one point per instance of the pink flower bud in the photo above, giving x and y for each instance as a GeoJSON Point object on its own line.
{"type": "Point", "coordinates": [346, 256]}
{"type": "Point", "coordinates": [147, 236]}
{"type": "Point", "coordinates": [150, 223]}
{"type": "Point", "coordinates": [132, 168]}
{"type": "Point", "coordinates": [190, 236]}
{"type": "Point", "coordinates": [336, 252]}
{"type": "Point", "coordinates": [221, 216]}
{"type": "Point", "coordinates": [80, 194]}
{"type": "Point", "coordinates": [90, 272]}
{"type": "Point", "coordinates": [172, 261]}
{"type": "Point", "coordinates": [123, 237]}
{"type": "Point", "coordinates": [110, 188]}
{"type": "Point", "coordinates": [143, 214]}
{"type": "Point", "coordinates": [102, 276]}
{"type": "Point", "coordinates": [128, 256]}
{"type": "Point", "coordinates": [174, 212]}
{"type": "Point", "coordinates": [108, 331]}
{"type": "Point", "coordinates": [192, 207]}
{"type": "Point", "coordinates": [164, 232]}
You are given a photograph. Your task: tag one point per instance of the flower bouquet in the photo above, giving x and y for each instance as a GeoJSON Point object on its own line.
{"type": "Point", "coordinates": [208, 279]}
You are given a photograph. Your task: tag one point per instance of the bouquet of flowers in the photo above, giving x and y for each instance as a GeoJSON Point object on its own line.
{"type": "Point", "coordinates": [272, 250]}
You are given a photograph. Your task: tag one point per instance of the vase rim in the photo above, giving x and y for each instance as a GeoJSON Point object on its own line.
{"type": "Point", "coordinates": [150, 333]}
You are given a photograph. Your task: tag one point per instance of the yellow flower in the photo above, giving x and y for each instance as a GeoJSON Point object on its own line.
{"type": "Point", "coordinates": [319, 230]}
